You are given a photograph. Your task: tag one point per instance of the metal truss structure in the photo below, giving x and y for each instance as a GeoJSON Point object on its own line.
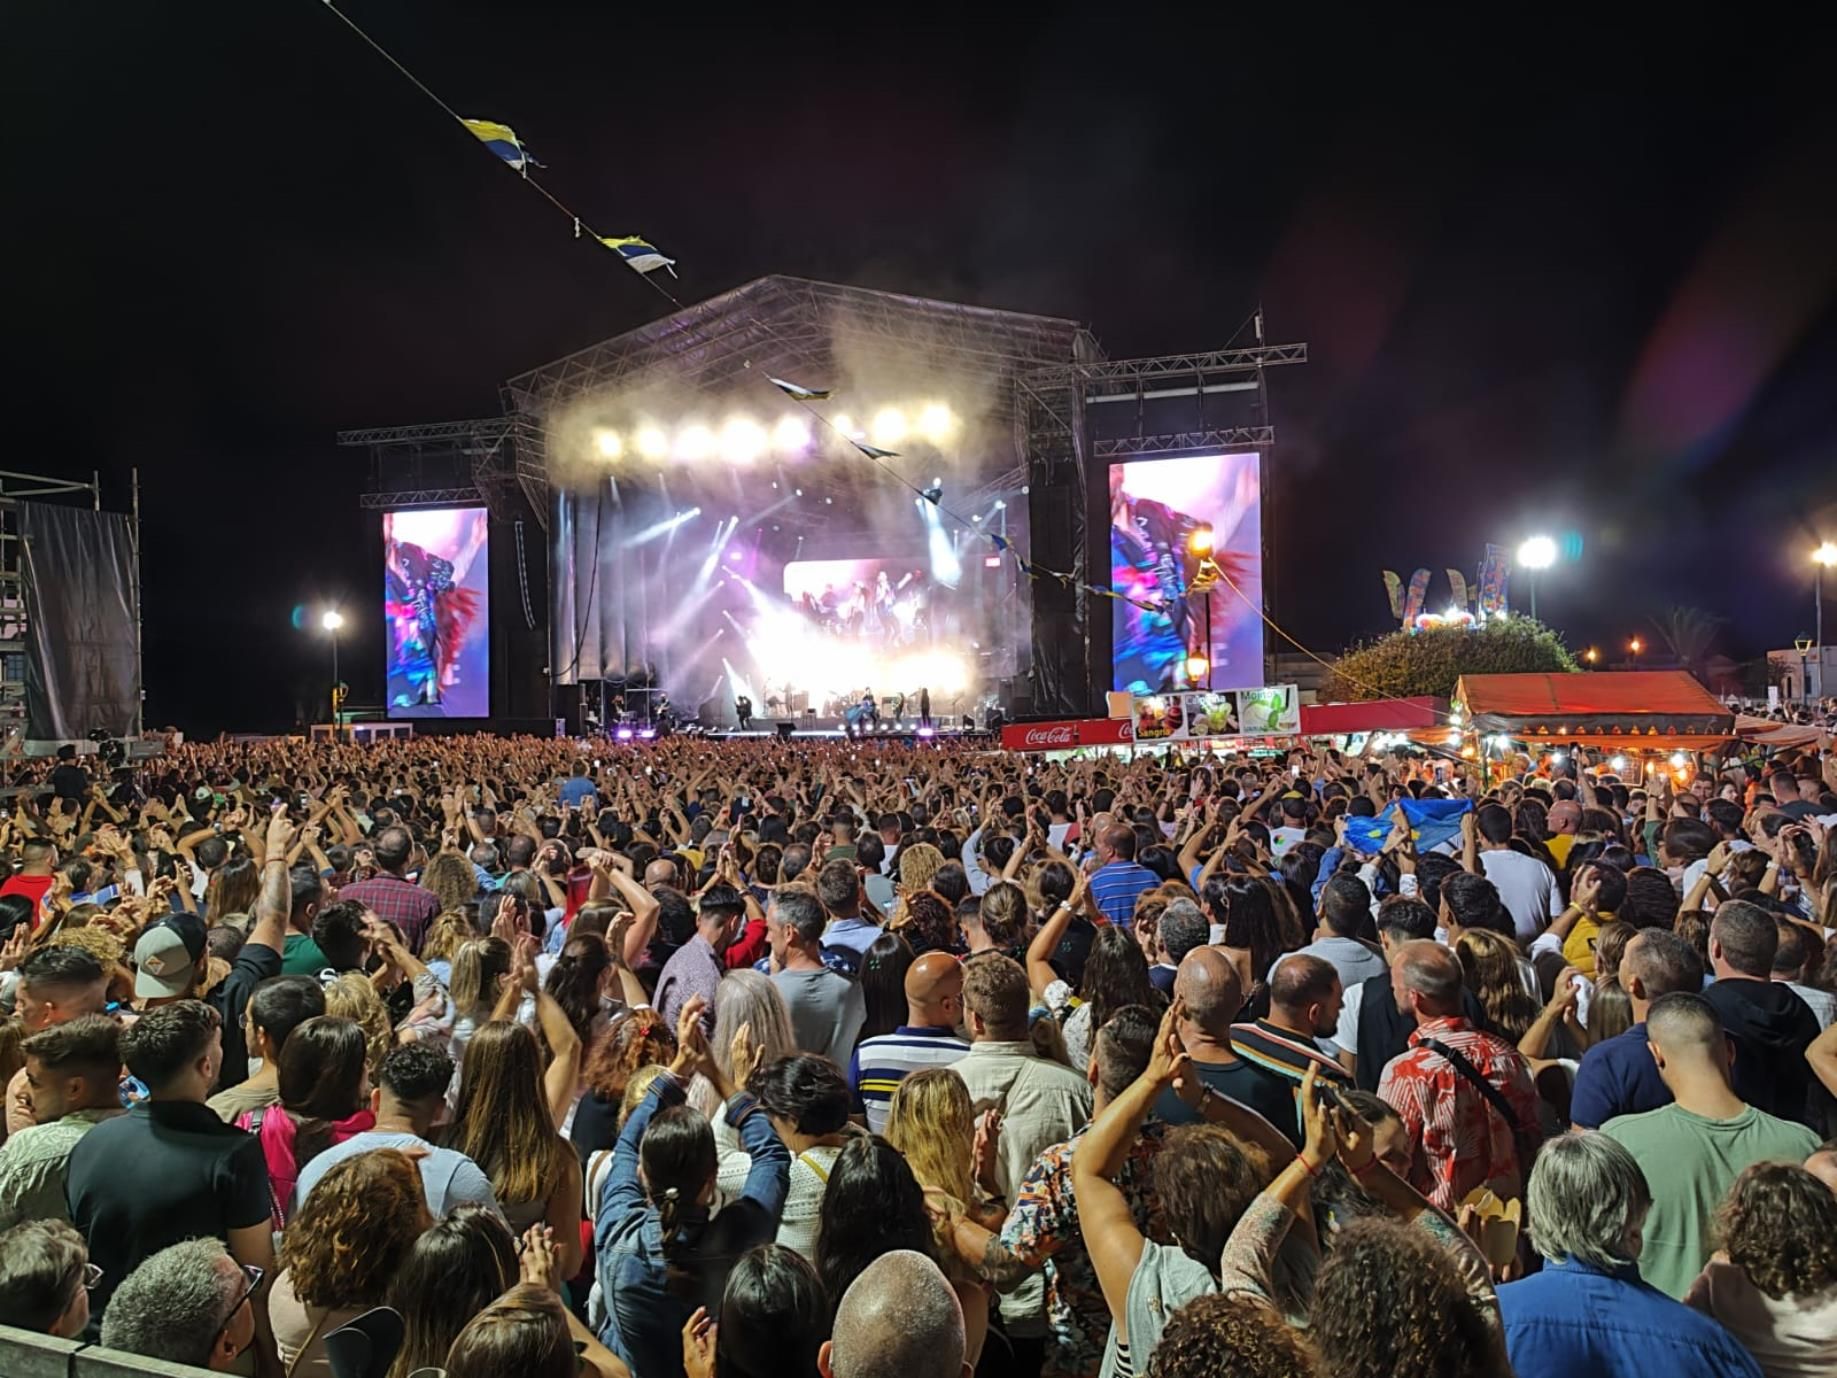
{"type": "Point", "coordinates": [1058, 395]}
{"type": "Point", "coordinates": [454, 463]}
{"type": "Point", "coordinates": [725, 347]}
{"type": "Point", "coordinates": [792, 327]}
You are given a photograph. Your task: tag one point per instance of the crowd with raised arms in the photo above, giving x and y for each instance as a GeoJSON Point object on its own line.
{"type": "Point", "coordinates": [867, 1059]}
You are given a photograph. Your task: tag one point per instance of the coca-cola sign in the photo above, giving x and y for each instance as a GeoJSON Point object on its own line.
{"type": "Point", "coordinates": [1064, 735]}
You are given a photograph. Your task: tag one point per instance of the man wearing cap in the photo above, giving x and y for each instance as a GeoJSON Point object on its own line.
{"type": "Point", "coordinates": [169, 961]}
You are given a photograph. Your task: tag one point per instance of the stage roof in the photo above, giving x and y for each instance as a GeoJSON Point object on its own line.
{"type": "Point", "coordinates": [1607, 708]}
{"type": "Point", "coordinates": [788, 326]}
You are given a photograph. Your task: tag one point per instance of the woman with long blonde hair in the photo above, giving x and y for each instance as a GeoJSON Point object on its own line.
{"type": "Point", "coordinates": [450, 930]}
{"type": "Point", "coordinates": [505, 1124]}
{"type": "Point", "coordinates": [450, 878]}
{"type": "Point", "coordinates": [929, 1121]}
{"type": "Point", "coordinates": [352, 997]}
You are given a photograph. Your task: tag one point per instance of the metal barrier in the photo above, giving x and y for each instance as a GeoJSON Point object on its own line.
{"type": "Point", "coordinates": [24, 1354]}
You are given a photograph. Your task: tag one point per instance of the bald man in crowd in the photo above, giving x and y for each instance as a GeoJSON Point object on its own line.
{"type": "Point", "coordinates": [928, 1038]}
{"type": "Point", "coordinates": [1210, 997]}
{"type": "Point", "coordinates": [899, 1318]}
{"type": "Point", "coordinates": [1463, 1135]}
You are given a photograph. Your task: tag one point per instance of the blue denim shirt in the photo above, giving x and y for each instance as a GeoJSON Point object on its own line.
{"type": "Point", "coordinates": [1574, 1319]}
{"type": "Point", "coordinates": [644, 1319]}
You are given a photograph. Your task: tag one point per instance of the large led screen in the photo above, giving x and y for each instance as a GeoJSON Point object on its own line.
{"type": "Point", "coordinates": [437, 611]}
{"type": "Point", "coordinates": [1158, 622]}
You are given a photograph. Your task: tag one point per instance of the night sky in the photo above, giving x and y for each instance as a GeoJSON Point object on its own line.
{"type": "Point", "coordinates": [1548, 283]}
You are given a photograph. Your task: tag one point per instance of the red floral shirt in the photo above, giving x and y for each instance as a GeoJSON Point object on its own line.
{"type": "Point", "coordinates": [1459, 1141]}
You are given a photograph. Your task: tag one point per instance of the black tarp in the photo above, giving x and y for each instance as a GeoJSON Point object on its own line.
{"type": "Point", "coordinates": [82, 663]}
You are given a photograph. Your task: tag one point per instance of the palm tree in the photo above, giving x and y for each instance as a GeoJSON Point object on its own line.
{"type": "Point", "coordinates": [1688, 634]}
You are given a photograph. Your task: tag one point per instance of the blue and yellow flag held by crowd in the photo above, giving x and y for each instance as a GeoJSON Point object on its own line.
{"type": "Point", "coordinates": [639, 256]}
{"type": "Point", "coordinates": [502, 140]}
{"type": "Point", "coordinates": [1432, 823]}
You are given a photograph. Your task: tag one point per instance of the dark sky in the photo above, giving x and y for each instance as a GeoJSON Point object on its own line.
{"type": "Point", "coordinates": [1548, 282]}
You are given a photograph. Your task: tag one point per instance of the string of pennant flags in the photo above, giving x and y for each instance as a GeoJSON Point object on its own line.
{"type": "Point", "coordinates": [636, 252]}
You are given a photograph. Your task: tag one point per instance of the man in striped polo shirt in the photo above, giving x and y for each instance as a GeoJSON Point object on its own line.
{"type": "Point", "coordinates": [928, 1038]}
{"type": "Point", "coordinates": [1118, 883]}
{"type": "Point", "coordinates": [1304, 1001]}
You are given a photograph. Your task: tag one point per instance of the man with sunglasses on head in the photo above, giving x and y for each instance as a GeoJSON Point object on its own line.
{"type": "Point", "coordinates": [189, 1303]}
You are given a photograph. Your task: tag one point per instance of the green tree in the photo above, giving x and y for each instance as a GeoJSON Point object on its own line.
{"type": "Point", "coordinates": [1406, 664]}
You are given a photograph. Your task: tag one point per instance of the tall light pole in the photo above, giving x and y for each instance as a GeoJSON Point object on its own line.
{"type": "Point", "coordinates": [1535, 553]}
{"type": "Point", "coordinates": [1823, 557]}
{"type": "Point", "coordinates": [331, 619]}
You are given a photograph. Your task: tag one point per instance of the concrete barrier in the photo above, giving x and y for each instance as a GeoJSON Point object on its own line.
{"type": "Point", "coordinates": [24, 1354]}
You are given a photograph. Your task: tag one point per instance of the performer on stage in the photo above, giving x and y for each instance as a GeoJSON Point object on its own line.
{"type": "Point", "coordinates": [924, 707]}
{"type": "Point", "coordinates": [743, 710]}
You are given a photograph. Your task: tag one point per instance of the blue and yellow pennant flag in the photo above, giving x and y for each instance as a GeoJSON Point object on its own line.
{"type": "Point", "coordinates": [639, 256]}
{"type": "Point", "coordinates": [502, 140]}
{"type": "Point", "coordinates": [1432, 822]}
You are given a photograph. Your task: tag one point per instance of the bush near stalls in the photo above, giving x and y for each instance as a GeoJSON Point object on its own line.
{"type": "Point", "coordinates": [1404, 665]}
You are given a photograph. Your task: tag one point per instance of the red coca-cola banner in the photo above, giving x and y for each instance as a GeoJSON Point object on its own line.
{"type": "Point", "coordinates": [1064, 735]}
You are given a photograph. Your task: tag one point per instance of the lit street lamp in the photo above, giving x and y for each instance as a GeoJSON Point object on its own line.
{"type": "Point", "coordinates": [1537, 552]}
{"type": "Point", "coordinates": [331, 619]}
{"type": "Point", "coordinates": [1824, 557]}
{"type": "Point", "coordinates": [1200, 543]}
{"type": "Point", "coordinates": [1635, 646]}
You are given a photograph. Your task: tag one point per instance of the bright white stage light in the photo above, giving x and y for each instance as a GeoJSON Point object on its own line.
{"type": "Point", "coordinates": [652, 443]}
{"type": "Point", "coordinates": [936, 423]}
{"type": "Point", "coordinates": [742, 440]}
{"type": "Point", "coordinates": [611, 445]}
{"type": "Point", "coordinates": [694, 443]}
{"type": "Point", "coordinates": [889, 426]}
{"type": "Point", "coordinates": [791, 436]}
{"type": "Point", "coordinates": [845, 424]}
{"type": "Point", "coordinates": [1000, 505]}
{"type": "Point", "coordinates": [331, 619]}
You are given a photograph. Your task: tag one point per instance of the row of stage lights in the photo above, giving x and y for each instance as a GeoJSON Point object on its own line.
{"type": "Point", "coordinates": [742, 440]}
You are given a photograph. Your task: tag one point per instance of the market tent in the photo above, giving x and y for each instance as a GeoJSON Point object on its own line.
{"type": "Point", "coordinates": [1661, 708]}
{"type": "Point", "coordinates": [1771, 732]}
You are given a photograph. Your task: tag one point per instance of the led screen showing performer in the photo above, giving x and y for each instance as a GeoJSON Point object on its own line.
{"type": "Point", "coordinates": [437, 608]}
{"type": "Point", "coordinates": [1155, 507]}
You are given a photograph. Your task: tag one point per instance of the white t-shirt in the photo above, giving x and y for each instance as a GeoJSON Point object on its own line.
{"type": "Point", "coordinates": [1528, 889]}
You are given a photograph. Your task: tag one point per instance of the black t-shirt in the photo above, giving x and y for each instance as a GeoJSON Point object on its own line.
{"type": "Point", "coordinates": [165, 1172]}
{"type": "Point", "coordinates": [596, 1125]}
{"type": "Point", "coordinates": [69, 781]}
{"type": "Point", "coordinates": [1269, 1095]}
{"type": "Point", "coordinates": [253, 965]}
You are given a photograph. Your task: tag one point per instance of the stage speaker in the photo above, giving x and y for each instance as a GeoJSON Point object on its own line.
{"type": "Point", "coordinates": [785, 729]}
{"type": "Point", "coordinates": [569, 705]}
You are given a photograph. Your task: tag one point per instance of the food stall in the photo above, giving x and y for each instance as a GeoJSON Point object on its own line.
{"type": "Point", "coordinates": [1637, 715]}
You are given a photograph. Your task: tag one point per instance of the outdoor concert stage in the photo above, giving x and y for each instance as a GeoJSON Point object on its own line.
{"type": "Point", "coordinates": [802, 493]}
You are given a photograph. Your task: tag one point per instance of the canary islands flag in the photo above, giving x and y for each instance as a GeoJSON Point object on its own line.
{"type": "Point", "coordinates": [640, 256]}
{"type": "Point", "coordinates": [1432, 822]}
{"type": "Point", "coordinates": [502, 140]}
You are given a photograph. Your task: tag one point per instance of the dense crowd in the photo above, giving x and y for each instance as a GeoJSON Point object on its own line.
{"type": "Point", "coordinates": [526, 1057]}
